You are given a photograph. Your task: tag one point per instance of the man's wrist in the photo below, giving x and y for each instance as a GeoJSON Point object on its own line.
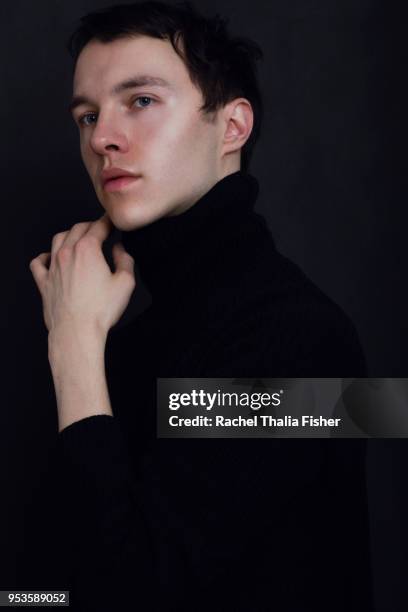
{"type": "Point", "coordinates": [70, 344]}
{"type": "Point", "coordinates": [78, 368]}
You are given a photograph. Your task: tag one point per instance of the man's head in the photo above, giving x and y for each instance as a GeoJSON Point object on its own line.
{"type": "Point", "coordinates": [167, 96]}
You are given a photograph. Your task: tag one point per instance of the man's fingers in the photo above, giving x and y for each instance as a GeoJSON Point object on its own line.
{"type": "Point", "coordinates": [71, 237]}
{"type": "Point", "coordinates": [39, 270]}
{"type": "Point", "coordinates": [75, 233]}
{"type": "Point", "coordinates": [101, 228]}
{"type": "Point", "coordinates": [57, 241]}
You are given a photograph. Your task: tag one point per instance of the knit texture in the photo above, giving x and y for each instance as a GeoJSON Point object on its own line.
{"type": "Point", "coordinates": [216, 524]}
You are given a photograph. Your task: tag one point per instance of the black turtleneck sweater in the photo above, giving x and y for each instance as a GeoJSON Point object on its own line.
{"type": "Point", "coordinates": [216, 524]}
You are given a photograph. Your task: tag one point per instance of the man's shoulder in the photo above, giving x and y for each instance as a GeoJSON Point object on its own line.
{"type": "Point", "coordinates": [290, 324]}
{"type": "Point", "coordinates": [269, 285]}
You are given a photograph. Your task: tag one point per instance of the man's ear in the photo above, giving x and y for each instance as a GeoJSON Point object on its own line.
{"type": "Point", "coordinates": [238, 122]}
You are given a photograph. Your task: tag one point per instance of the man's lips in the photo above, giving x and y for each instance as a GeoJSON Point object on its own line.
{"type": "Point", "coordinates": [114, 179]}
{"type": "Point", "coordinates": [115, 184]}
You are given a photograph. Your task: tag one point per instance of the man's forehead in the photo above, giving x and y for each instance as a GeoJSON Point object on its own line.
{"type": "Point", "coordinates": [122, 58]}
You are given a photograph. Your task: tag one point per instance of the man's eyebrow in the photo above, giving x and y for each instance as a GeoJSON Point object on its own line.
{"type": "Point", "coordinates": [136, 81]}
{"type": "Point", "coordinates": [140, 81]}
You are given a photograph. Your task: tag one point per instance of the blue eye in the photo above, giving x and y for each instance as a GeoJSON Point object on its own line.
{"type": "Point", "coordinates": [91, 118]}
{"type": "Point", "coordinates": [144, 99]}
{"type": "Point", "coordinates": [88, 119]}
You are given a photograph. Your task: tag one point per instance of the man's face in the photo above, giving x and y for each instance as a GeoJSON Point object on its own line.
{"type": "Point", "coordinates": [138, 112]}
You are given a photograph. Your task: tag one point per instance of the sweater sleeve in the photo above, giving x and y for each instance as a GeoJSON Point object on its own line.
{"type": "Point", "coordinates": [101, 509]}
{"type": "Point", "coordinates": [190, 514]}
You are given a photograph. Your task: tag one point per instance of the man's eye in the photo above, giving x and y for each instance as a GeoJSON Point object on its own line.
{"type": "Point", "coordinates": [143, 101]}
{"type": "Point", "coordinates": [88, 119]}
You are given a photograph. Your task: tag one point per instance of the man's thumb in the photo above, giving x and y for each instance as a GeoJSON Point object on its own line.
{"type": "Point", "coordinates": [122, 259]}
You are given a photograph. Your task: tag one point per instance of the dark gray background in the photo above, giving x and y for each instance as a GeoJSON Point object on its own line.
{"type": "Point", "coordinates": [330, 165]}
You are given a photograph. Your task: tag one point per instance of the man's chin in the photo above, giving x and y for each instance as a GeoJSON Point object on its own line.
{"type": "Point", "coordinates": [129, 217]}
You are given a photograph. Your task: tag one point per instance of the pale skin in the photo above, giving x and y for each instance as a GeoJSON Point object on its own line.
{"type": "Point", "coordinates": [82, 298]}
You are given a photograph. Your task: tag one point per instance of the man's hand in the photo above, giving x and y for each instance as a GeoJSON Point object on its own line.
{"type": "Point", "coordinates": [78, 290]}
{"type": "Point", "coordinates": [82, 300]}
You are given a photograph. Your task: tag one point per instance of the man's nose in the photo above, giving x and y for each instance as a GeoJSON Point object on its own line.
{"type": "Point", "coordinates": [108, 135]}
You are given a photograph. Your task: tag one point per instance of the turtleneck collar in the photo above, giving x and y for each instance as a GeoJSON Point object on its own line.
{"type": "Point", "coordinates": [168, 251]}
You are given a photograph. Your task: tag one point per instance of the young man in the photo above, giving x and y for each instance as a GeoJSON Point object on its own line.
{"type": "Point", "coordinates": [168, 110]}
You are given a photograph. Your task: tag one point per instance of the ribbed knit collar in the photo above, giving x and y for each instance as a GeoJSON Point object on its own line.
{"type": "Point", "coordinates": [170, 251]}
